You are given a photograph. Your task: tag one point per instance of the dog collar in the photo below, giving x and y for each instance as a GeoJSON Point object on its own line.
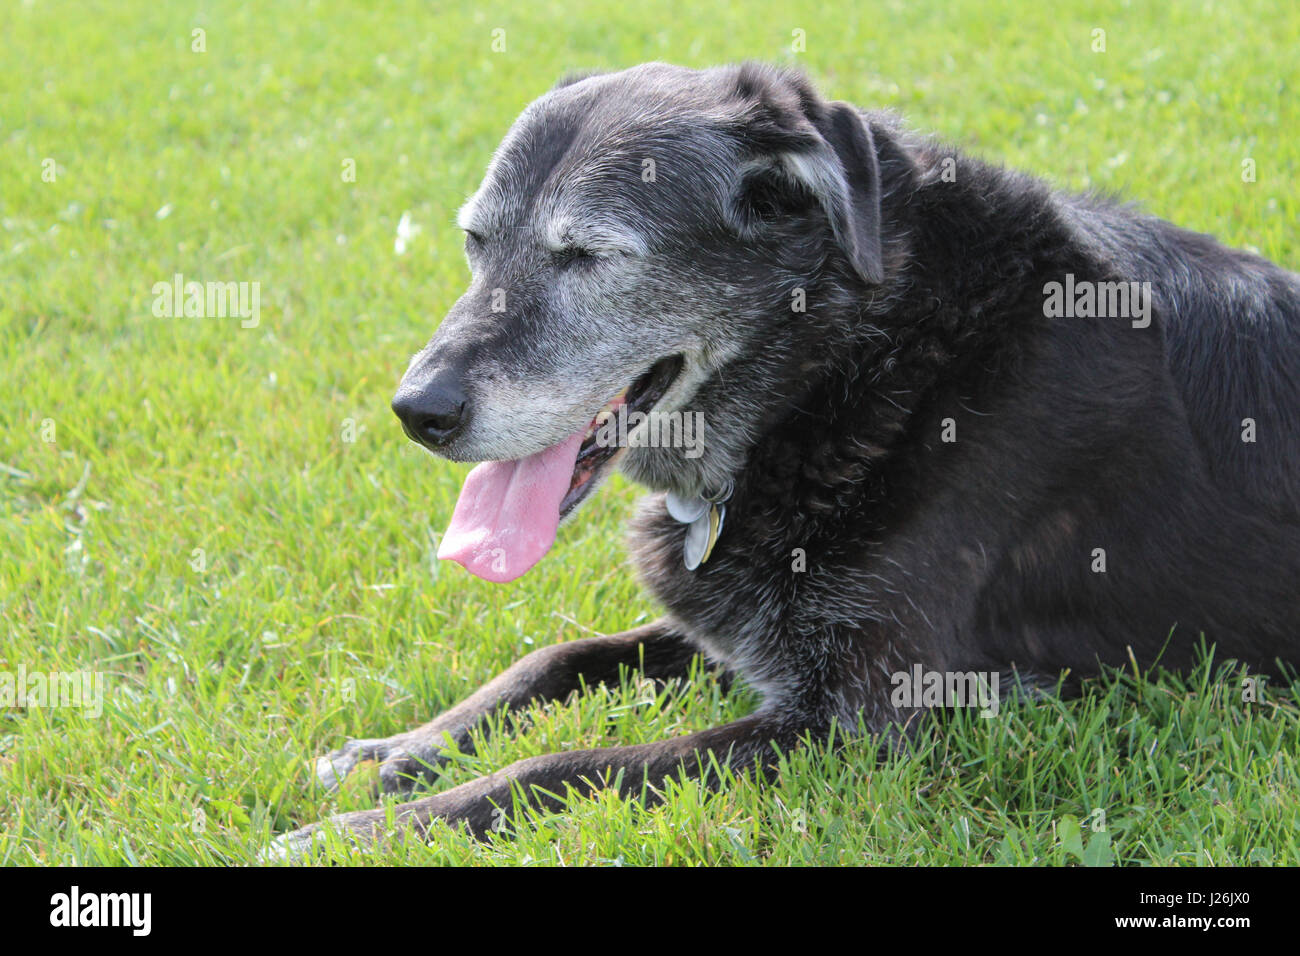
{"type": "Point", "coordinates": [703, 516]}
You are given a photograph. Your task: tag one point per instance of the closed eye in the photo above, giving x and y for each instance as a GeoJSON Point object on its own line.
{"type": "Point", "coordinates": [570, 256]}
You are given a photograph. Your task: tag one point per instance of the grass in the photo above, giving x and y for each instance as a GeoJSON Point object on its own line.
{"type": "Point", "coordinates": [181, 509]}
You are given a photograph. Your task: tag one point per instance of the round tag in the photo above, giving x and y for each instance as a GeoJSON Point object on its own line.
{"type": "Point", "coordinates": [685, 510]}
{"type": "Point", "coordinates": [697, 542]}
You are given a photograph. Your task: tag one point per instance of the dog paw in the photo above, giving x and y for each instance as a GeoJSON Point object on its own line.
{"type": "Point", "coordinates": [349, 836]}
{"type": "Point", "coordinates": [405, 761]}
{"type": "Point", "coordinates": [295, 847]}
{"type": "Point", "coordinates": [355, 832]}
{"type": "Point", "coordinates": [333, 767]}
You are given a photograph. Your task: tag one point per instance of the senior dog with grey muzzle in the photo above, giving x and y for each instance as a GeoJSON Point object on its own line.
{"type": "Point", "coordinates": [954, 423]}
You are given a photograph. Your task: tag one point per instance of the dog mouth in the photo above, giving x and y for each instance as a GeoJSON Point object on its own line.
{"type": "Point", "coordinates": [597, 454]}
{"type": "Point", "coordinates": [508, 512]}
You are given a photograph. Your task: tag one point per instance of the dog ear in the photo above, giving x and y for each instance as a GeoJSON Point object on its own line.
{"type": "Point", "coordinates": [826, 149]}
{"type": "Point", "coordinates": [848, 187]}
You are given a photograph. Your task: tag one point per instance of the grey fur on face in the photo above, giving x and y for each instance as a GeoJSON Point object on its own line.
{"type": "Point", "coordinates": [608, 234]}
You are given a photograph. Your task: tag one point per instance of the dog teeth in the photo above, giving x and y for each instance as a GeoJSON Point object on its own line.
{"type": "Point", "coordinates": [613, 403]}
{"type": "Point", "coordinates": [604, 414]}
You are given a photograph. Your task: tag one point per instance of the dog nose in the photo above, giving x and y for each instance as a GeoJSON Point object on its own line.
{"type": "Point", "coordinates": [433, 413]}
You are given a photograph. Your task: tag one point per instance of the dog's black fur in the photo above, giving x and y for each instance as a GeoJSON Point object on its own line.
{"type": "Point", "coordinates": [1072, 435]}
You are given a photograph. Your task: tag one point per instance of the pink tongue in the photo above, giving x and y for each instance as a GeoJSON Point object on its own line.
{"type": "Point", "coordinates": [508, 511]}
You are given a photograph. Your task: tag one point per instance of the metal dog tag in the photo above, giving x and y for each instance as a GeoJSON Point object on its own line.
{"type": "Point", "coordinates": [702, 535]}
{"type": "Point", "coordinates": [685, 510]}
{"type": "Point", "coordinates": [703, 516]}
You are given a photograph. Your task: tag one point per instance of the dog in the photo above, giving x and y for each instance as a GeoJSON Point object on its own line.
{"type": "Point", "coordinates": [956, 422]}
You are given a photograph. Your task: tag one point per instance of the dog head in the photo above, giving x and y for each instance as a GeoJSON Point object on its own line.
{"type": "Point", "coordinates": [636, 234]}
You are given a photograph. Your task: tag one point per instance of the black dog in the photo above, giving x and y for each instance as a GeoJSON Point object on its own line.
{"type": "Point", "coordinates": [957, 424]}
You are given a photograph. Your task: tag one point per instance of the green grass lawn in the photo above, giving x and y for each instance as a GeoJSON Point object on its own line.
{"type": "Point", "coordinates": [228, 524]}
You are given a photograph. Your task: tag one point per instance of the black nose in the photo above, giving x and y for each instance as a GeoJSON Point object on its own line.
{"type": "Point", "coordinates": [432, 412]}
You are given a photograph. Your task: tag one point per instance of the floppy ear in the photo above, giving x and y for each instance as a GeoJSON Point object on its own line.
{"type": "Point", "coordinates": [827, 151]}
{"type": "Point", "coordinates": [849, 190]}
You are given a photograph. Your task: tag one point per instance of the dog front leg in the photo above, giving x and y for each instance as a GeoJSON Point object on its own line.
{"type": "Point", "coordinates": [482, 805]}
{"type": "Point", "coordinates": [658, 649]}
